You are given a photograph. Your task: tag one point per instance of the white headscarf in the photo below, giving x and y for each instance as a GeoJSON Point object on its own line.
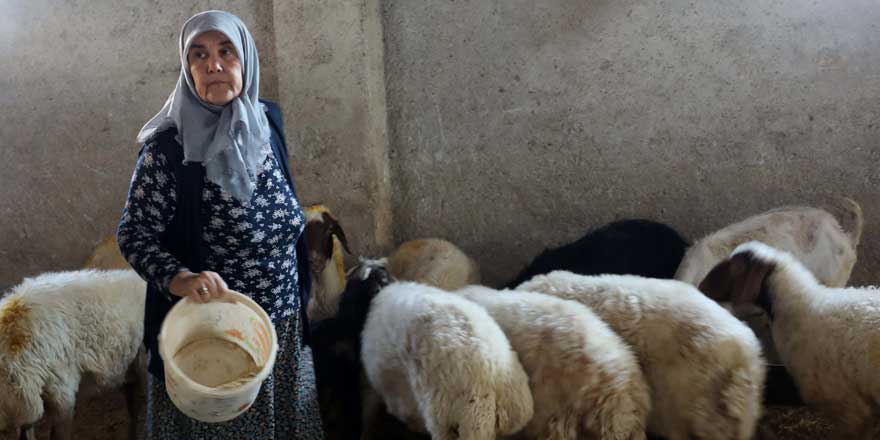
{"type": "Point", "coordinates": [231, 140]}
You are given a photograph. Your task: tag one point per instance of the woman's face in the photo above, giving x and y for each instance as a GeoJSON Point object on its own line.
{"type": "Point", "coordinates": [215, 68]}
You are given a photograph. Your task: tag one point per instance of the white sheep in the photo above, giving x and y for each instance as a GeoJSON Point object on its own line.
{"type": "Point", "coordinates": [442, 365]}
{"type": "Point", "coordinates": [585, 381]}
{"type": "Point", "coordinates": [813, 235]}
{"type": "Point", "coordinates": [326, 240]}
{"type": "Point", "coordinates": [435, 262]}
{"type": "Point", "coordinates": [703, 366]}
{"type": "Point", "coordinates": [63, 329]}
{"type": "Point", "coordinates": [828, 338]}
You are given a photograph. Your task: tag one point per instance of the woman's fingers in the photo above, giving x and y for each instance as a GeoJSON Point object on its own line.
{"type": "Point", "coordinates": [199, 287]}
{"type": "Point", "coordinates": [205, 287]}
{"type": "Point", "coordinates": [223, 287]}
{"type": "Point", "coordinates": [201, 291]}
{"type": "Point", "coordinates": [214, 283]}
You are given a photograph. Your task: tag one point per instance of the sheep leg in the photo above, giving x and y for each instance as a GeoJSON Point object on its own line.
{"type": "Point", "coordinates": [843, 431]}
{"type": "Point", "coordinates": [764, 433]}
{"type": "Point", "coordinates": [134, 387]}
{"type": "Point", "coordinates": [639, 435]}
{"type": "Point", "coordinates": [853, 419]}
{"type": "Point", "coordinates": [60, 410]}
{"type": "Point", "coordinates": [130, 389]}
{"type": "Point", "coordinates": [560, 433]}
{"type": "Point", "coordinates": [676, 436]}
{"type": "Point", "coordinates": [853, 429]}
{"type": "Point", "coordinates": [62, 425]}
{"type": "Point", "coordinates": [29, 433]}
{"type": "Point", "coordinates": [370, 413]}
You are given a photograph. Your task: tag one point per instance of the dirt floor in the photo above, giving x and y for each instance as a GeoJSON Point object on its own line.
{"type": "Point", "coordinates": [102, 417]}
{"type": "Point", "coordinates": [790, 423]}
{"type": "Point", "coordinates": [106, 418]}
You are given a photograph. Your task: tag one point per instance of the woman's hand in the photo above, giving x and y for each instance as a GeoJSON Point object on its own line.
{"type": "Point", "coordinates": [200, 287]}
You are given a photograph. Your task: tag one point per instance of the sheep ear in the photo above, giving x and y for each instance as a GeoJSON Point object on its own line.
{"type": "Point", "coordinates": [749, 288]}
{"type": "Point", "coordinates": [336, 229]}
{"type": "Point", "coordinates": [718, 284]}
{"type": "Point", "coordinates": [318, 250]}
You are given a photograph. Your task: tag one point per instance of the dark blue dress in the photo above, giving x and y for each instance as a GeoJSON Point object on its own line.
{"type": "Point", "coordinates": [252, 247]}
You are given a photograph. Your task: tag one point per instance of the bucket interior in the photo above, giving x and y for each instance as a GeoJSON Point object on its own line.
{"type": "Point", "coordinates": [218, 345]}
{"type": "Point", "coordinates": [216, 363]}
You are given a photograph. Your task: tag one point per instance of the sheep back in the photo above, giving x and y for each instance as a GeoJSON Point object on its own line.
{"type": "Point", "coordinates": [435, 262]}
{"type": "Point", "coordinates": [703, 366]}
{"type": "Point", "coordinates": [813, 235]}
{"type": "Point", "coordinates": [635, 247]}
{"type": "Point", "coordinates": [586, 383]}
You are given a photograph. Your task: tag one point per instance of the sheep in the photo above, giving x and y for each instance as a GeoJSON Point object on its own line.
{"type": "Point", "coordinates": [828, 338]}
{"type": "Point", "coordinates": [585, 381]}
{"type": "Point", "coordinates": [325, 239]}
{"type": "Point", "coordinates": [106, 256]}
{"type": "Point", "coordinates": [339, 373]}
{"type": "Point", "coordinates": [338, 379]}
{"type": "Point", "coordinates": [63, 329]}
{"type": "Point", "coordinates": [441, 365]}
{"type": "Point", "coordinates": [342, 379]}
{"type": "Point", "coordinates": [702, 365]}
{"type": "Point", "coordinates": [634, 247]}
{"type": "Point", "coordinates": [827, 247]}
{"type": "Point", "coordinates": [435, 262]}
{"type": "Point", "coordinates": [811, 234]}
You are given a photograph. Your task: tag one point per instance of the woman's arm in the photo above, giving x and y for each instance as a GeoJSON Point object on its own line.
{"type": "Point", "coordinates": [152, 201]}
{"type": "Point", "coordinates": [149, 209]}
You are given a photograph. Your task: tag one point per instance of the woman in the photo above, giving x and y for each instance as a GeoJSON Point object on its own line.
{"type": "Point", "coordinates": [212, 207]}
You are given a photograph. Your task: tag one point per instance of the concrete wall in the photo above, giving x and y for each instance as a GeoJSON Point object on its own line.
{"type": "Point", "coordinates": [505, 126]}
{"type": "Point", "coordinates": [519, 124]}
{"type": "Point", "coordinates": [333, 92]}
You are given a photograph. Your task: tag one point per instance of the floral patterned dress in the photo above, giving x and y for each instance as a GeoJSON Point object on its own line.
{"type": "Point", "coordinates": [252, 247]}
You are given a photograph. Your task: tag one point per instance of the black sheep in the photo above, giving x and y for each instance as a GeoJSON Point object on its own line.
{"type": "Point", "coordinates": [626, 247]}
{"type": "Point", "coordinates": [336, 345]}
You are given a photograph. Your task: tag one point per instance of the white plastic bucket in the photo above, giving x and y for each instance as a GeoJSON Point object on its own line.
{"type": "Point", "coordinates": [216, 355]}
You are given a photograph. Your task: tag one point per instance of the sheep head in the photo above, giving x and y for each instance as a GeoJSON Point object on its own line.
{"type": "Point", "coordinates": [323, 232]}
{"type": "Point", "coordinates": [362, 284]}
{"type": "Point", "coordinates": [741, 278]}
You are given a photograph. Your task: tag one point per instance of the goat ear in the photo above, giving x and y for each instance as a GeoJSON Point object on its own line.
{"type": "Point", "coordinates": [335, 229]}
